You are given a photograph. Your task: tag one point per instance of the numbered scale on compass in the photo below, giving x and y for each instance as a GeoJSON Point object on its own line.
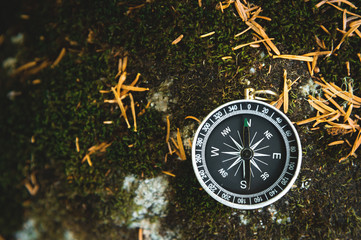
{"type": "Point", "coordinates": [246, 154]}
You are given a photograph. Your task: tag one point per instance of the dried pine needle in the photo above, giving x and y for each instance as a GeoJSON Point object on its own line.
{"type": "Point", "coordinates": [181, 147]}
{"type": "Point", "coordinates": [178, 39]}
{"type": "Point", "coordinates": [124, 63]}
{"type": "Point", "coordinates": [319, 53]}
{"type": "Point", "coordinates": [265, 18]}
{"type": "Point", "coordinates": [207, 34]}
{"type": "Point", "coordinates": [77, 144]}
{"type": "Point", "coordinates": [314, 63]}
{"type": "Point", "coordinates": [25, 67]}
{"type": "Point", "coordinates": [108, 122]}
{"type": "Point", "coordinates": [308, 120]}
{"type": "Point", "coordinates": [170, 148]}
{"type": "Point", "coordinates": [168, 173]}
{"type": "Point", "coordinates": [121, 106]}
{"type": "Point", "coordinates": [239, 34]}
{"type": "Point", "coordinates": [285, 92]}
{"type": "Point", "coordinates": [320, 3]}
{"type": "Point", "coordinates": [120, 64]}
{"type": "Point", "coordinates": [132, 107]}
{"type": "Point", "coordinates": [353, 26]}
{"type": "Point", "coordinates": [359, 56]}
{"type": "Point", "coordinates": [358, 33]}
{"type": "Point", "coordinates": [343, 1]}
{"type": "Point", "coordinates": [194, 118]}
{"type": "Point", "coordinates": [37, 69]}
{"type": "Point", "coordinates": [348, 143]}
{"type": "Point", "coordinates": [87, 158]}
{"type": "Point", "coordinates": [325, 29]}
{"type": "Point", "coordinates": [260, 31]}
{"type": "Point", "coordinates": [104, 91]}
{"type": "Point", "coordinates": [58, 59]}
{"type": "Point", "coordinates": [226, 58]}
{"type": "Point", "coordinates": [136, 89]}
{"type": "Point", "coordinates": [348, 113]}
{"type": "Point", "coordinates": [295, 57]}
{"type": "Point", "coordinates": [122, 79]}
{"type": "Point", "coordinates": [32, 190]}
{"type": "Point", "coordinates": [250, 43]}
{"type": "Point", "coordinates": [336, 143]}
{"type": "Point", "coordinates": [174, 142]}
{"type": "Point", "coordinates": [132, 84]}
{"type": "Point", "coordinates": [321, 104]}
{"type": "Point", "coordinates": [240, 10]}
{"type": "Point", "coordinates": [356, 145]}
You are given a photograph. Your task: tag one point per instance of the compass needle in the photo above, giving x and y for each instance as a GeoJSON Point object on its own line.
{"type": "Point", "coordinates": [246, 154]}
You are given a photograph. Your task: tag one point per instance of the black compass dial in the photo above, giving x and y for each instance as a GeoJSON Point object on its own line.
{"type": "Point", "coordinates": [246, 154]}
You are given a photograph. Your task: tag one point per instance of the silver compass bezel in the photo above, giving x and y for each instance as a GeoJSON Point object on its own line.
{"type": "Point", "coordinates": [268, 201]}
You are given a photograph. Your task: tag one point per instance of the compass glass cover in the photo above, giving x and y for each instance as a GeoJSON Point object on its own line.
{"type": "Point", "coordinates": [246, 154]}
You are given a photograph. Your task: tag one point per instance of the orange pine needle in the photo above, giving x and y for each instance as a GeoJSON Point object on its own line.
{"type": "Point", "coordinates": [168, 173]}
{"type": "Point", "coordinates": [121, 106]}
{"type": "Point", "coordinates": [240, 10]}
{"type": "Point", "coordinates": [314, 118]}
{"type": "Point", "coordinates": [132, 107]}
{"type": "Point", "coordinates": [25, 67]}
{"type": "Point", "coordinates": [136, 89]}
{"type": "Point", "coordinates": [181, 147]}
{"type": "Point", "coordinates": [178, 39]}
{"type": "Point", "coordinates": [336, 143]}
{"type": "Point", "coordinates": [295, 57]}
{"type": "Point", "coordinates": [321, 104]}
{"type": "Point", "coordinates": [250, 43]}
{"type": "Point", "coordinates": [194, 118]}
{"type": "Point", "coordinates": [241, 33]}
{"type": "Point", "coordinates": [58, 59]}
{"type": "Point", "coordinates": [124, 64]}
{"type": "Point", "coordinates": [122, 79]}
{"type": "Point", "coordinates": [318, 53]}
{"type": "Point", "coordinates": [37, 69]}
{"type": "Point", "coordinates": [207, 34]}
{"type": "Point", "coordinates": [260, 31]}
{"type": "Point", "coordinates": [285, 92]}
{"type": "Point", "coordinates": [77, 144]}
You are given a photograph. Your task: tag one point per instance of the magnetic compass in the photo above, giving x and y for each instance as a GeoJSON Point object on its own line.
{"type": "Point", "coordinates": [246, 154]}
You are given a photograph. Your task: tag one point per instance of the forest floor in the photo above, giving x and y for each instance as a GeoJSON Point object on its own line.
{"type": "Point", "coordinates": [93, 92]}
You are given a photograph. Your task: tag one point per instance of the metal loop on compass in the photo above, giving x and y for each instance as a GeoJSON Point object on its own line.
{"type": "Point", "coordinates": [251, 93]}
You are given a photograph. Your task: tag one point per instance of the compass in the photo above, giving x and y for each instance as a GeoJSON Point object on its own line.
{"type": "Point", "coordinates": [246, 154]}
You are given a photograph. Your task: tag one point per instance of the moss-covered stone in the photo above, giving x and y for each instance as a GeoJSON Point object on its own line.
{"type": "Point", "coordinates": [92, 201]}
